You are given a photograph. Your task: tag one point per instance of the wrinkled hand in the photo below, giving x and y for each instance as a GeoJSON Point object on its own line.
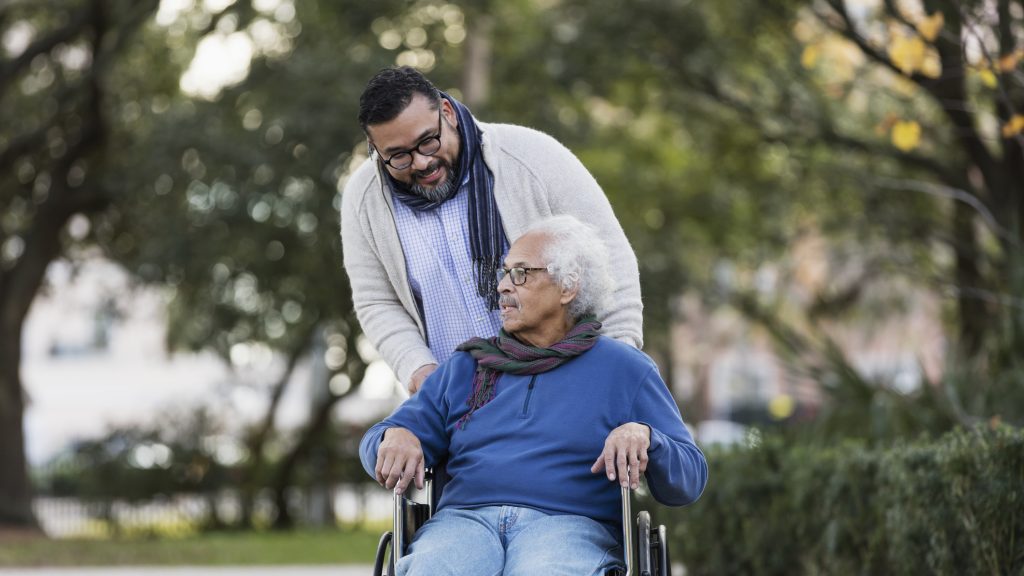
{"type": "Point", "coordinates": [417, 378]}
{"type": "Point", "coordinates": [399, 460]}
{"type": "Point", "coordinates": [625, 446]}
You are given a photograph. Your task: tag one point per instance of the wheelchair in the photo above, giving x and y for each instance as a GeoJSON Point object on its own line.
{"type": "Point", "coordinates": [645, 547]}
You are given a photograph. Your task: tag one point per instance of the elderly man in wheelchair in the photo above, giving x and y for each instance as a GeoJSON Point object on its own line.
{"type": "Point", "coordinates": [539, 427]}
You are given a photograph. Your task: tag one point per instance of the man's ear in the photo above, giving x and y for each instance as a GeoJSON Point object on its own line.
{"type": "Point", "coordinates": [449, 113]}
{"type": "Point", "coordinates": [569, 294]}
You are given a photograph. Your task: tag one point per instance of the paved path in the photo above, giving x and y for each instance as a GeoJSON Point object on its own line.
{"type": "Point", "coordinates": [349, 570]}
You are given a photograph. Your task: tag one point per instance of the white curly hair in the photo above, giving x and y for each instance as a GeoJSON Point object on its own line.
{"type": "Point", "coordinates": [577, 257]}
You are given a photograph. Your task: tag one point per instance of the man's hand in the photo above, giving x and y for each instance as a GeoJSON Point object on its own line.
{"type": "Point", "coordinates": [625, 446]}
{"type": "Point", "coordinates": [417, 378]}
{"type": "Point", "coordinates": [399, 460]}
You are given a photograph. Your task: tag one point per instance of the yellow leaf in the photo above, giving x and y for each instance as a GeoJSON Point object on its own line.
{"type": "Point", "coordinates": [781, 406]}
{"type": "Point", "coordinates": [988, 78]}
{"type": "Point", "coordinates": [1009, 62]}
{"type": "Point", "coordinates": [906, 135]}
{"type": "Point", "coordinates": [1014, 127]}
{"type": "Point", "coordinates": [907, 54]}
{"type": "Point", "coordinates": [931, 26]}
{"type": "Point", "coordinates": [810, 56]}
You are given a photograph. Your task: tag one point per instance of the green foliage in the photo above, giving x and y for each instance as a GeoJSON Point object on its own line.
{"type": "Point", "coordinates": [181, 455]}
{"type": "Point", "coordinates": [187, 454]}
{"type": "Point", "coordinates": [950, 506]}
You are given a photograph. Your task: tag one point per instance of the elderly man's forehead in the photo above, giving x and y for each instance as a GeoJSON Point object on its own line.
{"type": "Point", "coordinates": [527, 248]}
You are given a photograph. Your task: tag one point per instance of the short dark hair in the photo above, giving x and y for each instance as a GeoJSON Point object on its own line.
{"type": "Point", "coordinates": [390, 91]}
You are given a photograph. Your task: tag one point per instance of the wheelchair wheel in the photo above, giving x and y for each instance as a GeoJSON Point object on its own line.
{"type": "Point", "coordinates": [659, 547]}
{"type": "Point", "coordinates": [382, 553]}
{"type": "Point", "coordinates": [643, 543]}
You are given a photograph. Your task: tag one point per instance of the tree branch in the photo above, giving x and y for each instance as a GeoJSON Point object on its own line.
{"type": "Point", "coordinates": [957, 194]}
{"type": "Point", "coordinates": [258, 438]}
{"type": "Point", "coordinates": [894, 11]}
{"type": "Point", "coordinates": [43, 241]}
{"type": "Point", "coordinates": [911, 160]}
{"type": "Point", "coordinates": [848, 31]}
{"type": "Point", "coordinates": [827, 133]}
{"type": "Point", "coordinates": [243, 10]}
{"type": "Point", "coordinates": [78, 22]}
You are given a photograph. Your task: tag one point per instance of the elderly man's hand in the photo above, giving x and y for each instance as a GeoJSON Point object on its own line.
{"type": "Point", "coordinates": [626, 446]}
{"type": "Point", "coordinates": [417, 378]}
{"type": "Point", "coordinates": [399, 460]}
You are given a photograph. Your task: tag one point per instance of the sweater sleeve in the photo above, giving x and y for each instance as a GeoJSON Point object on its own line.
{"type": "Point", "coordinates": [676, 471]}
{"type": "Point", "coordinates": [388, 325]}
{"type": "Point", "coordinates": [424, 414]}
{"type": "Point", "coordinates": [573, 190]}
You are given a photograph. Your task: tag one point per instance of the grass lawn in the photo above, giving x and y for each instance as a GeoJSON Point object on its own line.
{"type": "Point", "coordinates": [350, 546]}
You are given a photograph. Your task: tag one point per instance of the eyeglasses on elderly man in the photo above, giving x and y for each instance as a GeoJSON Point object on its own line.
{"type": "Point", "coordinates": [517, 274]}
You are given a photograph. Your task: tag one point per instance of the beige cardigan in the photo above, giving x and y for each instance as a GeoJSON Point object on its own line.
{"type": "Point", "coordinates": [534, 177]}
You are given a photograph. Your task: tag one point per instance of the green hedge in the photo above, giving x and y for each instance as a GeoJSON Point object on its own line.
{"type": "Point", "coordinates": [949, 506]}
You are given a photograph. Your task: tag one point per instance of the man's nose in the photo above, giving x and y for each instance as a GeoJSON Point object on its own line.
{"type": "Point", "coordinates": [505, 284]}
{"type": "Point", "coordinates": [420, 161]}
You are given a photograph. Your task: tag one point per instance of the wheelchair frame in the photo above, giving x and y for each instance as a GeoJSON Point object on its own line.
{"type": "Point", "coordinates": [645, 555]}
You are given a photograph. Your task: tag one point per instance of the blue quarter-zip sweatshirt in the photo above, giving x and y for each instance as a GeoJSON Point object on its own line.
{"type": "Point", "coordinates": [533, 444]}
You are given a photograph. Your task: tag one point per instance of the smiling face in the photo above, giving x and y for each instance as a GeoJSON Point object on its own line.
{"type": "Point", "coordinates": [428, 176]}
{"type": "Point", "coordinates": [535, 312]}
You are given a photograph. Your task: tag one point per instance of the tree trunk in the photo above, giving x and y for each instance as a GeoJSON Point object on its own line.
{"type": "Point", "coordinates": [15, 491]}
{"type": "Point", "coordinates": [314, 432]}
{"type": "Point", "coordinates": [971, 309]}
{"type": "Point", "coordinates": [20, 282]}
{"type": "Point", "coordinates": [18, 288]}
{"type": "Point", "coordinates": [476, 75]}
{"type": "Point", "coordinates": [286, 471]}
{"type": "Point", "coordinates": [252, 473]}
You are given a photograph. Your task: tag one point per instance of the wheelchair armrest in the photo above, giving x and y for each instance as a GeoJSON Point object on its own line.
{"type": "Point", "coordinates": [408, 515]}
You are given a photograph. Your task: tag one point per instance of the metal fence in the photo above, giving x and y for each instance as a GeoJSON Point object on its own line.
{"type": "Point", "coordinates": [183, 513]}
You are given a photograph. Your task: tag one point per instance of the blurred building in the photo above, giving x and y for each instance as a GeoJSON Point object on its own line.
{"type": "Point", "coordinates": [95, 358]}
{"type": "Point", "coordinates": [730, 373]}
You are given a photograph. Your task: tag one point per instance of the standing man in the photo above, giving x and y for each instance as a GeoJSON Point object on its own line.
{"type": "Point", "coordinates": [428, 218]}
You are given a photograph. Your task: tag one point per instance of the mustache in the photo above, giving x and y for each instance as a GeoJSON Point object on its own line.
{"type": "Point", "coordinates": [430, 168]}
{"type": "Point", "coordinates": [509, 300]}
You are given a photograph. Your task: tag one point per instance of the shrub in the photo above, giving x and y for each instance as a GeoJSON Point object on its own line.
{"type": "Point", "coordinates": [954, 506]}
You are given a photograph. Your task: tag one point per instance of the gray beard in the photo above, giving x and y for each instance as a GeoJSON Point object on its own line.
{"type": "Point", "coordinates": [436, 194]}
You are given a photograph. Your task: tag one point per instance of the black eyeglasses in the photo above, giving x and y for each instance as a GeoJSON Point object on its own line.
{"type": "Point", "coordinates": [517, 274]}
{"type": "Point", "coordinates": [427, 147]}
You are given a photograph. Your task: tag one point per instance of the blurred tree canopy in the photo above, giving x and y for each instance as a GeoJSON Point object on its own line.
{"type": "Point", "coordinates": [722, 132]}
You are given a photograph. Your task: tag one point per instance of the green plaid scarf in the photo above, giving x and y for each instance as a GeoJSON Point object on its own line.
{"type": "Point", "coordinates": [504, 353]}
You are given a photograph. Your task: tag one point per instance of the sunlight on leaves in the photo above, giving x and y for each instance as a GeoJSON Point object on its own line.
{"type": "Point", "coordinates": [1014, 127]}
{"type": "Point", "coordinates": [988, 78]}
{"type": "Point", "coordinates": [908, 54]}
{"type": "Point", "coordinates": [906, 135]}
{"type": "Point", "coordinates": [931, 26]}
{"type": "Point", "coordinates": [221, 60]}
{"type": "Point", "coordinates": [1009, 62]}
{"type": "Point", "coordinates": [810, 56]}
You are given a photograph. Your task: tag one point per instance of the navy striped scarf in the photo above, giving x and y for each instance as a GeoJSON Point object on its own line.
{"type": "Point", "coordinates": [486, 234]}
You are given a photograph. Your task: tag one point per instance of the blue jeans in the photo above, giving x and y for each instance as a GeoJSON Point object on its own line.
{"type": "Point", "coordinates": [510, 541]}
